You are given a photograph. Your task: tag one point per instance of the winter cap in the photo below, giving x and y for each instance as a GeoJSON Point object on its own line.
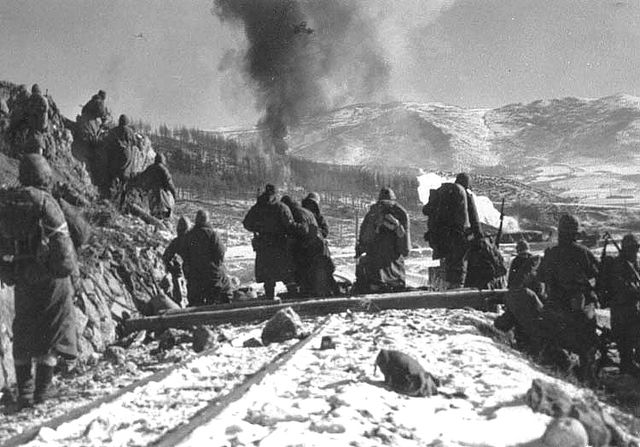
{"type": "Point", "coordinates": [568, 224]}
{"type": "Point", "coordinates": [463, 179]}
{"type": "Point", "coordinates": [386, 194]}
{"type": "Point", "coordinates": [124, 120]}
{"type": "Point", "coordinates": [35, 89]}
{"type": "Point", "coordinates": [313, 196]}
{"type": "Point", "coordinates": [565, 432]}
{"type": "Point", "coordinates": [34, 170]}
{"type": "Point", "coordinates": [202, 218]}
{"type": "Point", "coordinates": [629, 241]}
{"type": "Point", "coordinates": [102, 94]}
{"type": "Point", "coordinates": [183, 225]}
{"type": "Point", "coordinates": [270, 189]}
{"type": "Point", "coordinates": [287, 200]}
{"type": "Point", "coordinates": [522, 246]}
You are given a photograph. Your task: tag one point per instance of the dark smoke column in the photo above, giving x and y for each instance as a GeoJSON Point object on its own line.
{"type": "Point", "coordinates": [279, 60]}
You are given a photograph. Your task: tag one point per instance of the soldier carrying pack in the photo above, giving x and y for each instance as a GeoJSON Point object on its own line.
{"type": "Point", "coordinates": [447, 217]}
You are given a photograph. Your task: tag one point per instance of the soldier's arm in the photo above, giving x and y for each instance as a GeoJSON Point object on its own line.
{"type": "Point", "coordinates": [250, 222]}
{"type": "Point", "coordinates": [323, 225]}
{"type": "Point", "coordinates": [170, 252]}
{"type": "Point", "coordinates": [168, 181]}
{"type": "Point", "coordinates": [217, 247]}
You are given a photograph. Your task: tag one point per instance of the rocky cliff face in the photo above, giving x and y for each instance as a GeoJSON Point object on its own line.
{"type": "Point", "coordinates": [121, 263]}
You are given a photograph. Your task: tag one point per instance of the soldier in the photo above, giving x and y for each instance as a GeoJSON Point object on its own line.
{"type": "Point", "coordinates": [157, 179]}
{"type": "Point", "coordinates": [385, 241]}
{"type": "Point", "coordinates": [270, 220]}
{"type": "Point", "coordinates": [312, 203]}
{"type": "Point", "coordinates": [43, 327]}
{"type": "Point", "coordinates": [173, 257]}
{"type": "Point", "coordinates": [38, 110]}
{"type": "Point", "coordinates": [311, 271]}
{"type": "Point", "coordinates": [523, 270]}
{"type": "Point", "coordinates": [453, 219]}
{"type": "Point", "coordinates": [569, 313]}
{"type": "Point", "coordinates": [624, 293]}
{"type": "Point", "coordinates": [207, 280]}
{"type": "Point", "coordinates": [485, 265]}
{"type": "Point", "coordinates": [119, 157]}
{"type": "Point", "coordinates": [95, 108]}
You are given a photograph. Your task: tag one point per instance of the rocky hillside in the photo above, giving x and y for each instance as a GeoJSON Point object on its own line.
{"type": "Point", "coordinates": [120, 266]}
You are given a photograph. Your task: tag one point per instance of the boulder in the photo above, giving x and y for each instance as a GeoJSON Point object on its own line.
{"type": "Point", "coordinates": [283, 326]}
{"type": "Point", "coordinates": [565, 432]}
{"type": "Point", "coordinates": [116, 355]}
{"type": "Point", "coordinates": [252, 343]}
{"type": "Point", "coordinates": [591, 419]}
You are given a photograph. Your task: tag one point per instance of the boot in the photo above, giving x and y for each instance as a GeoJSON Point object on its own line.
{"type": "Point", "coordinates": [44, 376]}
{"type": "Point", "coordinates": [24, 378]}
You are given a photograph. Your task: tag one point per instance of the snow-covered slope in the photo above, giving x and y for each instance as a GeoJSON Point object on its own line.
{"type": "Point", "coordinates": [444, 137]}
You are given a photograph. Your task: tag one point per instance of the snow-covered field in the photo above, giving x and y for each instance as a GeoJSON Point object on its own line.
{"type": "Point", "coordinates": [333, 397]}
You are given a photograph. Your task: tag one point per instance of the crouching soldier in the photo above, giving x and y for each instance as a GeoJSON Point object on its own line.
{"type": "Point", "coordinates": [623, 284]}
{"type": "Point", "coordinates": [207, 280]}
{"type": "Point", "coordinates": [569, 313]}
{"type": "Point", "coordinates": [384, 240]}
{"type": "Point", "coordinates": [41, 264]}
{"type": "Point", "coordinates": [485, 265]}
{"type": "Point", "coordinates": [173, 258]}
{"type": "Point", "coordinates": [313, 270]}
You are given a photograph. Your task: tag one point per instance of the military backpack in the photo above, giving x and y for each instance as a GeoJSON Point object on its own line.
{"type": "Point", "coordinates": [447, 215]}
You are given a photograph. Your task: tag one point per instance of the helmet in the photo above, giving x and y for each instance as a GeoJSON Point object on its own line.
{"type": "Point", "coordinates": [522, 246]}
{"type": "Point", "coordinates": [629, 242]}
{"type": "Point", "coordinates": [568, 224]}
{"type": "Point", "coordinates": [463, 179]}
{"type": "Point", "coordinates": [102, 94]}
{"type": "Point", "coordinates": [202, 218]}
{"type": "Point", "coordinates": [270, 189]}
{"type": "Point", "coordinates": [34, 170]}
{"type": "Point", "coordinates": [124, 120]}
{"type": "Point", "coordinates": [314, 197]}
{"type": "Point", "coordinates": [287, 200]}
{"type": "Point", "coordinates": [35, 89]}
{"type": "Point", "coordinates": [183, 225]}
{"type": "Point", "coordinates": [386, 194]}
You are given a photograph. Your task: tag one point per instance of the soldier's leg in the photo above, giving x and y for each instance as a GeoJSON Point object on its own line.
{"type": "Point", "coordinates": [269, 289]}
{"type": "Point", "coordinates": [24, 379]}
{"type": "Point", "coordinates": [44, 375]}
{"type": "Point", "coordinates": [454, 268]}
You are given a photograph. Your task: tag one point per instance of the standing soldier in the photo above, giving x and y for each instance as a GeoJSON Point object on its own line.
{"type": "Point", "coordinates": [207, 280]}
{"type": "Point", "coordinates": [624, 293]}
{"type": "Point", "coordinates": [42, 261]}
{"type": "Point", "coordinates": [173, 258]}
{"type": "Point", "coordinates": [162, 192]}
{"type": "Point", "coordinates": [270, 220]}
{"type": "Point", "coordinates": [569, 313]}
{"type": "Point", "coordinates": [118, 156]}
{"type": "Point", "coordinates": [385, 241]}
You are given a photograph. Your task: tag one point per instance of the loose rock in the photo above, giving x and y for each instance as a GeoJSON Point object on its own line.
{"type": "Point", "coordinates": [115, 355]}
{"type": "Point", "coordinates": [252, 343]}
{"type": "Point", "coordinates": [283, 326]}
{"type": "Point", "coordinates": [203, 338]}
{"type": "Point", "coordinates": [548, 398]}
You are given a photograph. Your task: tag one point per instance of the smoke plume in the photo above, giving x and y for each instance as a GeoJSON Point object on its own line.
{"type": "Point", "coordinates": [304, 57]}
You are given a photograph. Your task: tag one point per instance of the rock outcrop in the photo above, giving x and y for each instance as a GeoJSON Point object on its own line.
{"type": "Point", "coordinates": [121, 264]}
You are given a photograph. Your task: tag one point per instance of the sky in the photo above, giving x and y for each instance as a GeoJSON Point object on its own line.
{"type": "Point", "coordinates": [160, 60]}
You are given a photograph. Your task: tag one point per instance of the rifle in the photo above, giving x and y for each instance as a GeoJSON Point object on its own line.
{"type": "Point", "coordinates": [499, 235]}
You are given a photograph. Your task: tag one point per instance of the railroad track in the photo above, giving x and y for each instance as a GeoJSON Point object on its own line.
{"type": "Point", "coordinates": [164, 408]}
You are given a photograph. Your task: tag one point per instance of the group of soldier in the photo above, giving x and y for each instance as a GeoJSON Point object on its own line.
{"type": "Point", "coordinates": [111, 159]}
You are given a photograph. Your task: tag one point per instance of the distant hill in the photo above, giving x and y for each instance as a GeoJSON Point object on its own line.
{"type": "Point", "coordinates": [444, 137]}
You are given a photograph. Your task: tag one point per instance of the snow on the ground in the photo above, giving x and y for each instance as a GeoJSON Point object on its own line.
{"type": "Point", "coordinates": [333, 397]}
